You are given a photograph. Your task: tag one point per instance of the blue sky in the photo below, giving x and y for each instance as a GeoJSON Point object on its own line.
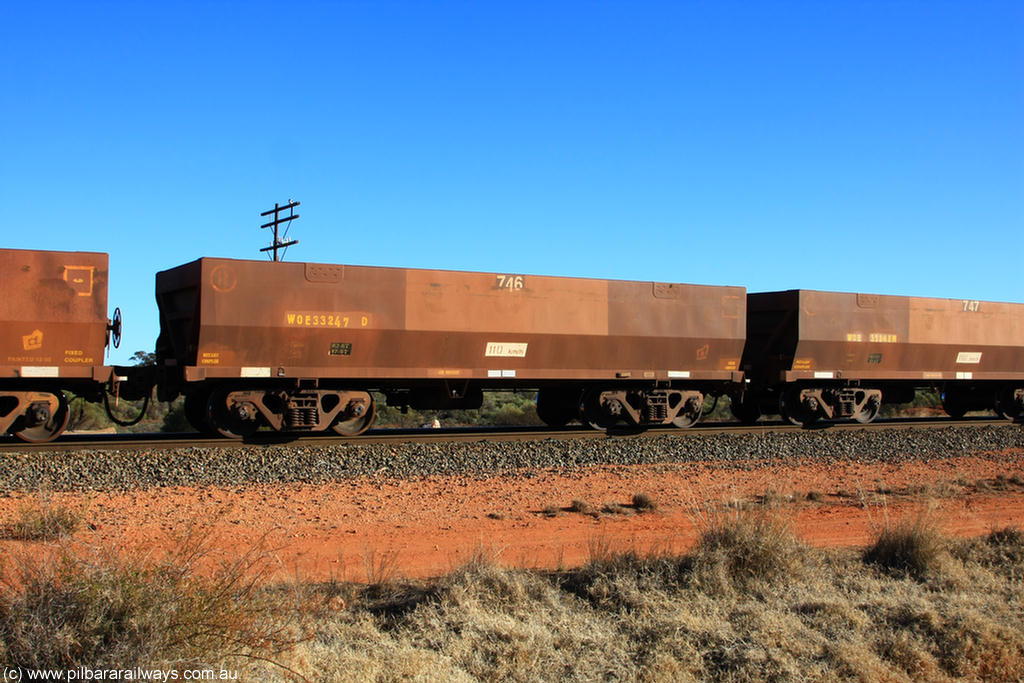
{"type": "Point", "coordinates": [862, 146]}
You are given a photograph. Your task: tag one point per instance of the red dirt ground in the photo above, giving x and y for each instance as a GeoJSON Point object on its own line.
{"type": "Point", "coordinates": [401, 528]}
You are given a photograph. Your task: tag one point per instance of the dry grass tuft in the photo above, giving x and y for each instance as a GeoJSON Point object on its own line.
{"type": "Point", "coordinates": [1010, 536]}
{"type": "Point", "coordinates": [551, 511]}
{"type": "Point", "coordinates": [381, 567]}
{"type": "Point", "coordinates": [746, 550]}
{"type": "Point", "coordinates": [480, 556]}
{"type": "Point", "coordinates": [773, 499]}
{"type": "Point", "coordinates": [101, 610]}
{"type": "Point", "coordinates": [582, 507]}
{"type": "Point", "coordinates": [615, 509]}
{"type": "Point", "coordinates": [44, 520]}
{"type": "Point", "coordinates": [644, 503]}
{"type": "Point", "coordinates": [600, 549]}
{"type": "Point", "coordinates": [914, 546]}
{"type": "Point", "coordinates": [1001, 551]}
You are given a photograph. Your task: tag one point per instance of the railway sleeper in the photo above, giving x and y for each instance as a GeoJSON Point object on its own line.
{"type": "Point", "coordinates": [639, 407]}
{"type": "Point", "coordinates": [805, 405]}
{"type": "Point", "coordinates": [238, 414]}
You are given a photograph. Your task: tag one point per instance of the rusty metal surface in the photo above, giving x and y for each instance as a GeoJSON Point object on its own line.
{"type": "Point", "coordinates": [804, 334]}
{"type": "Point", "coordinates": [230, 318]}
{"type": "Point", "coordinates": [53, 315]}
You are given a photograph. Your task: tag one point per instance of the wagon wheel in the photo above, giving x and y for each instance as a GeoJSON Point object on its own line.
{"type": "Point", "coordinates": [687, 417]}
{"type": "Point", "coordinates": [1011, 413]}
{"type": "Point", "coordinates": [356, 425]}
{"type": "Point", "coordinates": [868, 413]}
{"type": "Point", "coordinates": [556, 408]}
{"type": "Point", "coordinates": [1007, 407]}
{"type": "Point", "coordinates": [226, 422]}
{"type": "Point", "coordinates": [684, 420]}
{"type": "Point", "coordinates": [792, 409]}
{"type": "Point", "coordinates": [745, 410]}
{"type": "Point", "coordinates": [51, 429]}
{"type": "Point", "coordinates": [953, 406]}
{"type": "Point", "coordinates": [591, 414]}
{"type": "Point", "coordinates": [195, 412]}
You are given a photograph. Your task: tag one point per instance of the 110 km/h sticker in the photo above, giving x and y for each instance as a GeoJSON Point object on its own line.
{"type": "Point", "coordinates": [506, 350]}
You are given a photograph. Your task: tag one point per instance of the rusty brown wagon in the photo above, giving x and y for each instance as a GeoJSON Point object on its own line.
{"type": "Point", "coordinates": [813, 355]}
{"type": "Point", "coordinates": [300, 346]}
{"type": "Point", "coordinates": [53, 334]}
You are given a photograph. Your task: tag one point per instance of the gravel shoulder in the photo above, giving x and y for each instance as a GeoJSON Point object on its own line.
{"type": "Point", "coordinates": [361, 512]}
{"type": "Point", "coordinates": [127, 470]}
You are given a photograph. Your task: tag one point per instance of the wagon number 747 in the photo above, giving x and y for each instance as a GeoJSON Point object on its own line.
{"type": "Point", "coordinates": [971, 306]}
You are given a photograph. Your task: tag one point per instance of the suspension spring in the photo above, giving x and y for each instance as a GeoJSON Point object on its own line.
{"type": "Point", "coordinates": [657, 412]}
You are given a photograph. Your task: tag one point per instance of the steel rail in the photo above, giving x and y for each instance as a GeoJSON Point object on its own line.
{"type": "Point", "coordinates": [162, 441]}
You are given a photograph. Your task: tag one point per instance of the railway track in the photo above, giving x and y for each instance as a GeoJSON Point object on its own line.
{"type": "Point", "coordinates": [159, 440]}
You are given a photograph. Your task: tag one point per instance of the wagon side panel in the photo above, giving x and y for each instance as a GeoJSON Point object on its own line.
{"type": "Point", "coordinates": [53, 314]}
{"type": "Point", "coordinates": [335, 321]}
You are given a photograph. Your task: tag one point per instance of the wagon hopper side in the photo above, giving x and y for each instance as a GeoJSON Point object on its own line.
{"type": "Point", "coordinates": [53, 332]}
{"type": "Point", "coordinates": [815, 354]}
{"type": "Point", "coordinates": [301, 345]}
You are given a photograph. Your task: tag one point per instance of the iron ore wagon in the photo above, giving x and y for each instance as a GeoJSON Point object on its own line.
{"type": "Point", "coordinates": [813, 355]}
{"type": "Point", "coordinates": [53, 333]}
{"type": "Point", "coordinates": [303, 347]}
{"type": "Point", "coordinates": [300, 346]}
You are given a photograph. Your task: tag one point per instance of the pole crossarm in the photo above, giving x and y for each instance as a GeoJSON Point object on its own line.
{"type": "Point", "coordinates": [280, 242]}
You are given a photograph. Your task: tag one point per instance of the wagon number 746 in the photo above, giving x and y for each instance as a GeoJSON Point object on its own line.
{"type": "Point", "coordinates": [509, 282]}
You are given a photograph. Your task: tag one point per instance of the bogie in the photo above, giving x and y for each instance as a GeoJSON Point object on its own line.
{"type": "Point", "coordinates": [241, 413]}
{"type": "Point", "coordinates": [602, 409]}
{"type": "Point", "coordinates": [806, 405]}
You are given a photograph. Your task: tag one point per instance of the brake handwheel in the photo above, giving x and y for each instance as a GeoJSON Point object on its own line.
{"type": "Point", "coordinates": [115, 328]}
